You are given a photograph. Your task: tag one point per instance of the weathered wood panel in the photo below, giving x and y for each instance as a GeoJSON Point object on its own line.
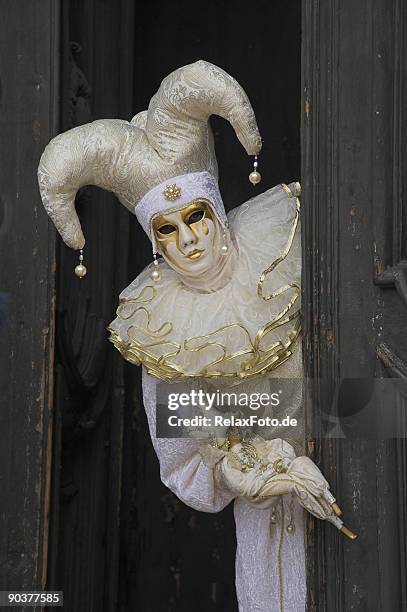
{"type": "Point", "coordinates": [97, 69]}
{"type": "Point", "coordinates": [29, 70]}
{"type": "Point", "coordinates": [353, 211]}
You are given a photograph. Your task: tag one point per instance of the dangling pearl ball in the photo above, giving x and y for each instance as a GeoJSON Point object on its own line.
{"type": "Point", "coordinates": [80, 270]}
{"type": "Point", "coordinates": [290, 528]}
{"type": "Point", "coordinates": [273, 519]}
{"type": "Point", "coordinates": [254, 177]}
{"type": "Point", "coordinates": [155, 275]}
{"type": "Point", "coordinates": [224, 248]}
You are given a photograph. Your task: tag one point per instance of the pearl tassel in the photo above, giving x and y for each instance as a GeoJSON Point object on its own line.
{"type": "Point", "coordinates": [255, 176]}
{"type": "Point", "coordinates": [291, 524]}
{"type": "Point", "coordinates": [155, 275]}
{"type": "Point", "coordinates": [80, 269]}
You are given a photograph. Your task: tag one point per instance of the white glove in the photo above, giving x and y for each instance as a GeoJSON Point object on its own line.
{"type": "Point", "coordinates": [261, 470]}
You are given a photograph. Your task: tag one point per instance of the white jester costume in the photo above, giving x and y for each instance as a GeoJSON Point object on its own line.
{"type": "Point", "coordinates": [225, 309]}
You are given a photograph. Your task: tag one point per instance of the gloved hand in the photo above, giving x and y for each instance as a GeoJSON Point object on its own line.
{"type": "Point", "coordinates": [261, 470]}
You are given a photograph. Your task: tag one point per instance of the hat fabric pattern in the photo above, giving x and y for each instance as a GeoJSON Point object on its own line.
{"type": "Point", "coordinates": [172, 138]}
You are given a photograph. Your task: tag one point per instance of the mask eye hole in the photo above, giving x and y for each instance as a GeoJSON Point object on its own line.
{"type": "Point", "coordinates": [196, 216]}
{"type": "Point", "coordinates": [166, 229]}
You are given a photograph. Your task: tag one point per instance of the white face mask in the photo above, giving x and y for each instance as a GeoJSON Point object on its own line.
{"type": "Point", "coordinates": [190, 238]}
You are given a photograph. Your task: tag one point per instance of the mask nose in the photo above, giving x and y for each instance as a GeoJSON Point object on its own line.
{"type": "Point", "coordinates": [186, 236]}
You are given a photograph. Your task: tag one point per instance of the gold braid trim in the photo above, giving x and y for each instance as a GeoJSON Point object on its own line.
{"type": "Point", "coordinates": [259, 363]}
{"type": "Point", "coordinates": [280, 556]}
{"type": "Point", "coordinates": [277, 261]}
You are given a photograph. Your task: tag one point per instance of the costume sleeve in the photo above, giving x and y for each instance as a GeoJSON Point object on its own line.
{"type": "Point", "coordinates": [182, 468]}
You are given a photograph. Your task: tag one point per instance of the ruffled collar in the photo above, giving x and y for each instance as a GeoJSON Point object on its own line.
{"type": "Point", "coordinates": [244, 329]}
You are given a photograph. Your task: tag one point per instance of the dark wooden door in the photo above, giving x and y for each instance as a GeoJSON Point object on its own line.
{"type": "Point", "coordinates": [118, 540]}
{"type": "Point", "coordinates": [97, 44]}
{"type": "Point", "coordinates": [355, 317]}
{"type": "Point", "coordinates": [29, 71]}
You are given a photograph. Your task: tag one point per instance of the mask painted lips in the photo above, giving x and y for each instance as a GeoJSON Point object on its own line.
{"type": "Point", "coordinates": [195, 254]}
